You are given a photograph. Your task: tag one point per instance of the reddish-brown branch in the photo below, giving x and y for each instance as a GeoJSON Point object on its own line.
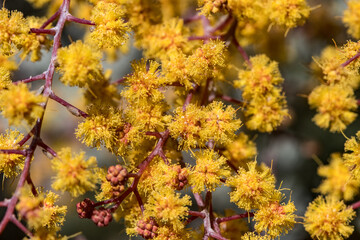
{"type": "Point", "coordinates": [74, 110]}
{"type": "Point", "coordinates": [20, 225]}
{"type": "Point", "coordinates": [139, 200]}
{"type": "Point", "coordinates": [199, 200]}
{"type": "Point", "coordinates": [207, 37]}
{"type": "Point", "coordinates": [13, 151]}
{"type": "Point", "coordinates": [355, 205]}
{"type": "Point", "coordinates": [197, 214]}
{"type": "Point", "coordinates": [232, 100]}
{"type": "Point", "coordinates": [31, 79]}
{"type": "Point", "coordinates": [241, 51]}
{"type": "Point", "coordinates": [33, 188]}
{"type": "Point", "coordinates": [155, 134]}
{"type": "Point", "coordinates": [47, 148]}
{"type": "Point", "coordinates": [43, 31]}
{"type": "Point", "coordinates": [234, 217]}
{"type": "Point", "coordinates": [52, 18]}
{"type": "Point", "coordinates": [232, 166]}
{"type": "Point", "coordinates": [71, 18]}
{"type": "Point", "coordinates": [222, 24]}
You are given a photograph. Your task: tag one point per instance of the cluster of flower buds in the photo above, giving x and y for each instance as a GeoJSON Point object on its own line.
{"type": "Point", "coordinates": [147, 228]}
{"type": "Point", "coordinates": [182, 178]}
{"type": "Point", "coordinates": [101, 217]}
{"type": "Point", "coordinates": [117, 176]}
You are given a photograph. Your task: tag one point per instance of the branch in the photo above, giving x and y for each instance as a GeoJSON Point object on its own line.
{"type": "Point", "coordinates": [357, 55]}
{"type": "Point", "coordinates": [31, 79]}
{"type": "Point", "coordinates": [234, 217]}
{"type": "Point", "coordinates": [13, 151]}
{"type": "Point", "coordinates": [71, 108]}
{"type": "Point", "coordinates": [71, 18]}
{"type": "Point", "coordinates": [43, 31]}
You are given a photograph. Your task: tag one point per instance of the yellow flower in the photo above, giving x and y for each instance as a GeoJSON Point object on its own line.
{"type": "Point", "coordinates": [253, 236]}
{"type": "Point", "coordinates": [40, 212]}
{"type": "Point", "coordinates": [168, 207]}
{"type": "Point", "coordinates": [252, 188]}
{"type": "Point", "coordinates": [187, 125]}
{"type": "Point", "coordinates": [159, 40]}
{"type": "Point", "coordinates": [328, 219]}
{"type": "Point", "coordinates": [143, 82]}
{"type": "Point", "coordinates": [18, 104]}
{"type": "Point", "coordinates": [335, 105]}
{"type": "Point", "coordinates": [211, 6]}
{"type": "Point", "coordinates": [289, 13]}
{"type": "Point", "coordinates": [74, 174]}
{"type": "Point", "coordinates": [339, 181]}
{"type": "Point", "coordinates": [351, 18]}
{"type": "Point", "coordinates": [110, 28]}
{"type": "Point", "coordinates": [275, 218]}
{"type": "Point", "coordinates": [208, 172]}
{"type": "Point", "coordinates": [13, 30]}
{"type": "Point", "coordinates": [220, 123]}
{"type": "Point", "coordinates": [259, 78]}
{"type": "Point", "coordinates": [79, 64]}
{"type": "Point", "coordinates": [207, 61]}
{"type": "Point", "coordinates": [38, 3]}
{"type": "Point", "coordinates": [11, 164]}
{"type": "Point", "coordinates": [266, 113]}
{"type": "Point", "coordinates": [240, 151]}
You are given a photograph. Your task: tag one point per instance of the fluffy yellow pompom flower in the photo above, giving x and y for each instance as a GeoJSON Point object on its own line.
{"type": "Point", "coordinates": [335, 105]}
{"type": "Point", "coordinates": [159, 40]}
{"type": "Point", "coordinates": [328, 219]}
{"type": "Point", "coordinates": [351, 18]}
{"type": "Point", "coordinates": [40, 212]}
{"type": "Point", "coordinates": [252, 188]}
{"type": "Point", "coordinates": [13, 30]}
{"type": "Point", "coordinates": [266, 113]}
{"type": "Point", "coordinates": [208, 172]}
{"type": "Point", "coordinates": [38, 3]}
{"type": "Point", "coordinates": [187, 125]}
{"type": "Point", "coordinates": [17, 103]}
{"type": "Point", "coordinates": [339, 182]}
{"type": "Point", "coordinates": [352, 155]}
{"type": "Point", "coordinates": [220, 123]}
{"type": "Point", "coordinates": [288, 13]}
{"type": "Point", "coordinates": [275, 218]}
{"type": "Point", "coordinates": [74, 174]}
{"type": "Point", "coordinates": [328, 67]}
{"type": "Point", "coordinates": [259, 78]}
{"type": "Point", "coordinates": [79, 64]}
{"type": "Point", "coordinates": [11, 164]}
{"type": "Point", "coordinates": [168, 207]}
{"type": "Point", "coordinates": [240, 151]}
{"type": "Point", "coordinates": [207, 61]}
{"type": "Point", "coordinates": [110, 29]}
{"type": "Point", "coordinates": [143, 82]}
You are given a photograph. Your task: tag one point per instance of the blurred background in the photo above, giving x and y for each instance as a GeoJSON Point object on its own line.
{"type": "Point", "coordinates": [292, 148]}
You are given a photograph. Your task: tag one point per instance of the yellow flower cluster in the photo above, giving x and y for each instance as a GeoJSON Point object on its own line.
{"type": "Point", "coordinates": [339, 181]}
{"type": "Point", "coordinates": [240, 151]}
{"type": "Point", "coordinates": [351, 157]}
{"type": "Point", "coordinates": [351, 18]}
{"type": "Point", "coordinates": [11, 164]}
{"type": "Point", "coordinates": [106, 127]}
{"type": "Point", "coordinates": [254, 189]}
{"type": "Point", "coordinates": [79, 65]}
{"type": "Point", "coordinates": [17, 103]}
{"type": "Point", "coordinates": [334, 99]}
{"type": "Point", "coordinates": [14, 35]}
{"type": "Point", "coordinates": [74, 174]}
{"type": "Point", "coordinates": [40, 211]}
{"type": "Point", "coordinates": [283, 13]}
{"type": "Point", "coordinates": [197, 125]}
{"type": "Point", "coordinates": [13, 31]}
{"type": "Point", "coordinates": [328, 218]}
{"type": "Point", "coordinates": [5, 80]}
{"type": "Point", "coordinates": [110, 28]}
{"type": "Point", "coordinates": [265, 104]}
{"type": "Point", "coordinates": [208, 172]}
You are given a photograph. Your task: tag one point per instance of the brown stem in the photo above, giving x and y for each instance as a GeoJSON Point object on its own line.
{"type": "Point", "coordinates": [71, 18]}
{"type": "Point", "coordinates": [232, 166]}
{"type": "Point", "coordinates": [357, 55]}
{"type": "Point", "coordinates": [31, 79]}
{"type": "Point", "coordinates": [52, 18]}
{"type": "Point", "coordinates": [232, 100]}
{"type": "Point", "coordinates": [33, 188]}
{"type": "Point", "coordinates": [74, 110]}
{"type": "Point", "coordinates": [138, 198]}
{"type": "Point", "coordinates": [241, 51]}
{"type": "Point", "coordinates": [234, 217]}
{"type": "Point", "coordinates": [43, 31]}
{"type": "Point", "coordinates": [13, 151]}
{"type": "Point", "coordinates": [355, 205]}
{"type": "Point", "coordinates": [47, 148]}
{"type": "Point", "coordinates": [197, 214]}
{"type": "Point", "coordinates": [199, 200]}
{"type": "Point", "coordinates": [20, 226]}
